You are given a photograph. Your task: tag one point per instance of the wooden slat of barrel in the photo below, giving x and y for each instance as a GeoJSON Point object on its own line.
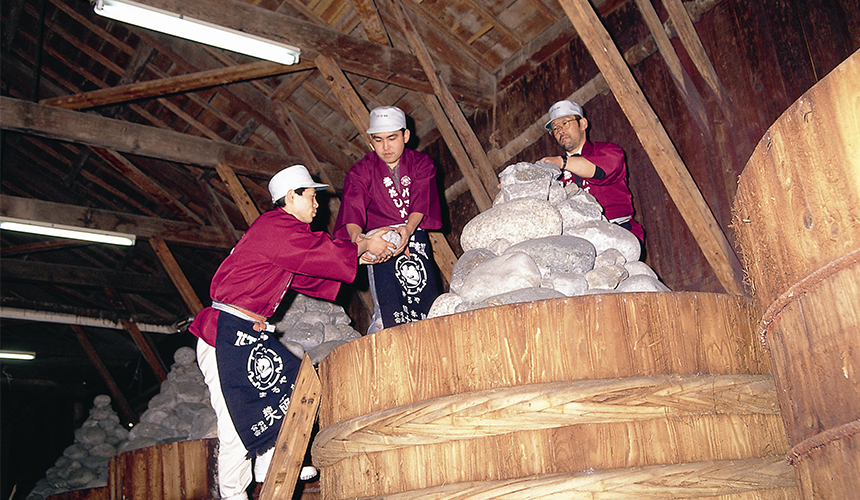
{"type": "Point", "coordinates": [596, 338]}
{"type": "Point", "coordinates": [797, 207]}
{"type": "Point", "coordinates": [798, 223]}
{"type": "Point", "coordinates": [174, 471]}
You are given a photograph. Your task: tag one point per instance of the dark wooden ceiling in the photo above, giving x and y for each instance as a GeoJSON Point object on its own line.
{"type": "Point", "coordinates": [92, 166]}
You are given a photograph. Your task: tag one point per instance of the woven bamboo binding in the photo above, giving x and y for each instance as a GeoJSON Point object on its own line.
{"type": "Point", "coordinates": [544, 406]}
{"type": "Point", "coordinates": [689, 480]}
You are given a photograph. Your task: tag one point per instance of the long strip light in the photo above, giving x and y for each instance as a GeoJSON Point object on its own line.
{"type": "Point", "coordinates": [21, 355]}
{"type": "Point", "coordinates": [196, 30]}
{"type": "Point", "coordinates": [71, 232]}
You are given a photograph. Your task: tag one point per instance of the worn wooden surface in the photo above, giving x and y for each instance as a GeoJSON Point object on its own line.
{"type": "Point", "coordinates": [798, 222]}
{"type": "Point", "coordinates": [586, 341]}
{"type": "Point", "coordinates": [102, 493]}
{"type": "Point", "coordinates": [174, 471]}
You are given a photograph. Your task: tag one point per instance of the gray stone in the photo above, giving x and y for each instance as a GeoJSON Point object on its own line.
{"type": "Point", "coordinates": [109, 422]}
{"type": "Point", "coordinates": [516, 221]}
{"type": "Point", "coordinates": [557, 194]}
{"type": "Point", "coordinates": [604, 235]}
{"type": "Point", "coordinates": [294, 347]}
{"type": "Point", "coordinates": [343, 333]}
{"type": "Point", "coordinates": [609, 257]}
{"type": "Point", "coordinates": [189, 392]}
{"type": "Point", "coordinates": [306, 334]}
{"type": "Point", "coordinates": [564, 254]}
{"type": "Point", "coordinates": [513, 297]}
{"type": "Point", "coordinates": [499, 275]}
{"type": "Point", "coordinates": [465, 264]}
{"type": "Point", "coordinates": [444, 305]}
{"type": "Point", "coordinates": [103, 450]}
{"type": "Point", "coordinates": [318, 317]}
{"type": "Point", "coordinates": [184, 356]}
{"type": "Point", "coordinates": [162, 400]}
{"type": "Point", "coordinates": [638, 267]}
{"type": "Point", "coordinates": [119, 432]}
{"type": "Point", "coordinates": [570, 284]}
{"type": "Point", "coordinates": [75, 451]}
{"type": "Point", "coordinates": [498, 246]}
{"type": "Point", "coordinates": [95, 462]}
{"type": "Point", "coordinates": [390, 236]}
{"type": "Point", "coordinates": [580, 207]}
{"type": "Point", "coordinates": [146, 430]}
{"type": "Point", "coordinates": [101, 401]}
{"type": "Point", "coordinates": [154, 416]}
{"type": "Point", "coordinates": [90, 435]}
{"type": "Point", "coordinates": [204, 425]}
{"type": "Point", "coordinates": [319, 352]}
{"type": "Point", "coordinates": [527, 180]}
{"type": "Point", "coordinates": [642, 283]}
{"type": "Point", "coordinates": [605, 277]}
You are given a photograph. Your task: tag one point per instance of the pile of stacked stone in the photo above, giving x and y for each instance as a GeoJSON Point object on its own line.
{"type": "Point", "coordinates": [315, 327]}
{"type": "Point", "coordinates": [181, 411]}
{"type": "Point", "coordinates": [542, 240]}
{"type": "Point", "coordinates": [84, 463]}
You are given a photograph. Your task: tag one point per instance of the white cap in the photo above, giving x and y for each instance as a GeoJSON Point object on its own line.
{"type": "Point", "coordinates": [386, 119]}
{"type": "Point", "coordinates": [563, 108]}
{"type": "Point", "coordinates": [294, 177]}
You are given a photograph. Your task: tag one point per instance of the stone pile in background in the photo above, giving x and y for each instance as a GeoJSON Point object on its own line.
{"type": "Point", "coordinates": [181, 410]}
{"type": "Point", "coordinates": [541, 240]}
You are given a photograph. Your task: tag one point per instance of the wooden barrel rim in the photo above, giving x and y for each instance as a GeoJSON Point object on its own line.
{"type": "Point", "coordinates": [544, 406]}
{"type": "Point", "coordinates": [801, 287]}
{"type": "Point", "coordinates": [804, 449]}
{"type": "Point", "coordinates": [689, 480]}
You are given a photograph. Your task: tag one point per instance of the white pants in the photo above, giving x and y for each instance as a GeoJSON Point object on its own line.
{"type": "Point", "coordinates": [234, 470]}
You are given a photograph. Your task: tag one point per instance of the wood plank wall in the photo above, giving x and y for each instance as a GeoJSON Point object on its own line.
{"type": "Point", "coordinates": [767, 54]}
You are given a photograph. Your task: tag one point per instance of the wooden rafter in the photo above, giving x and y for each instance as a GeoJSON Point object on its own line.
{"type": "Point", "coordinates": [172, 85]}
{"type": "Point", "coordinates": [352, 54]}
{"type": "Point", "coordinates": [142, 341]}
{"type": "Point", "coordinates": [128, 413]}
{"type": "Point", "coordinates": [165, 256]}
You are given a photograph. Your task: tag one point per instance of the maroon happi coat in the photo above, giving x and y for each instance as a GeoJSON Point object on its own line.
{"type": "Point", "coordinates": [278, 252]}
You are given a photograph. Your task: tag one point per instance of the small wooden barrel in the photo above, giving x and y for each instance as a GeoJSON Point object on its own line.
{"type": "Point", "coordinates": [797, 217]}
{"type": "Point", "coordinates": [644, 394]}
{"type": "Point", "coordinates": [175, 471]}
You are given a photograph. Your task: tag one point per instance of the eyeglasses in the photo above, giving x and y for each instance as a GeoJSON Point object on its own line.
{"type": "Point", "coordinates": [563, 125]}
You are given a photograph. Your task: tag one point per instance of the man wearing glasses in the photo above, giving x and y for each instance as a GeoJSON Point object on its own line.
{"type": "Point", "coordinates": [598, 168]}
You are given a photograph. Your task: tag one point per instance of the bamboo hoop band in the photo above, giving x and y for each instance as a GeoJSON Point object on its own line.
{"type": "Point", "coordinates": [544, 406]}
{"type": "Point", "coordinates": [690, 480]}
{"type": "Point", "coordinates": [804, 449]}
{"type": "Point", "coordinates": [801, 287]}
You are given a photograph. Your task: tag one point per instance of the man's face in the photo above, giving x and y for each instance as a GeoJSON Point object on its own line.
{"type": "Point", "coordinates": [304, 206]}
{"type": "Point", "coordinates": [569, 131]}
{"type": "Point", "coordinates": [390, 145]}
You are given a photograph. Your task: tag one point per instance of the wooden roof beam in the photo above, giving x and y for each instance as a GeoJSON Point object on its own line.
{"type": "Point", "coordinates": [352, 54]}
{"type": "Point", "coordinates": [127, 137]}
{"type": "Point", "coordinates": [173, 85]}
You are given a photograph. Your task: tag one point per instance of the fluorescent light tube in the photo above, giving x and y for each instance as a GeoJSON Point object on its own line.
{"type": "Point", "coordinates": [22, 355]}
{"type": "Point", "coordinates": [71, 232]}
{"type": "Point", "coordinates": [196, 30]}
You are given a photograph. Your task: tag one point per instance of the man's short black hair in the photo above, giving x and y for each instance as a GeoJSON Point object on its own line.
{"type": "Point", "coordinates": [280, 201]}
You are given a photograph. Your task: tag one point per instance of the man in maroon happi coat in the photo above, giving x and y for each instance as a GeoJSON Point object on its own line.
{"type": "Point", "coordinates": [250, 374]}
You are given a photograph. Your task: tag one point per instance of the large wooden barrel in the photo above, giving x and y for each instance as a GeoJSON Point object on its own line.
{"type": "Point", "coordinates": [798, 223]}
{"type": "Point", "coordinates": [102, 493]}
{"type": "Point", "coordinates": [184, 470]}
{"type": "Point", "coordinates": [648, 395]}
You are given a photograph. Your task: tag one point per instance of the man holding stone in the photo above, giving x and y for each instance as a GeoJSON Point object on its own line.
{"type": "Point", "coordinates": [394, 186]}
{"type": "Point", "coordinates": [250, 374]}
{"type": "Point", "coordinates": [599, 168]}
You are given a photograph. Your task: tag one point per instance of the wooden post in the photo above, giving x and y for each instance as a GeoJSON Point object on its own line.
{"type": "Point", "coordinates": [128, 414]}
{"type": "Point", "coordinates": [237, 191]}
{"type": "Point", "coordinates": [294, 436]}
{"type": "Point", "coordinates": [176, 275]}
{"type": "Point", "coordinates": [657, 145]}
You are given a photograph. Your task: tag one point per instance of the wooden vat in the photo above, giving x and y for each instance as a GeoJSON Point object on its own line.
{"type": "Point", "coordinates": [797, 217]}
{"type": "Point", "coordinates": [646, 395]}
{"type": "Point", "coordinates": [184, 470]}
